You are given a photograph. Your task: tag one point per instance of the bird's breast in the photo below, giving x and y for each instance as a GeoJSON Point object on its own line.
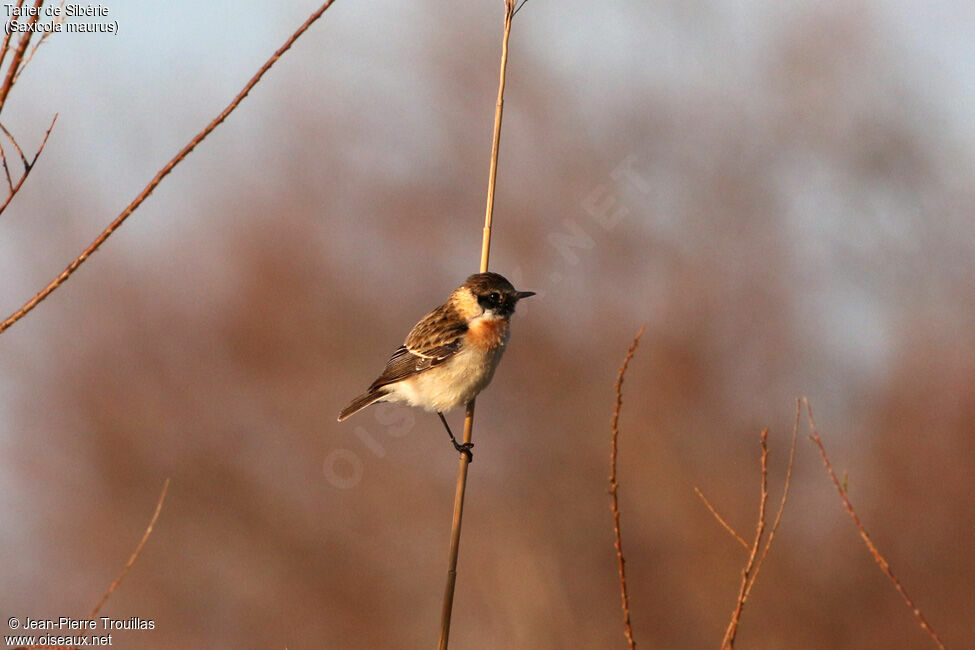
{"type": "Point", "coordinates": [487, 333]}
{"type": "Point", "coordinates": [461, 377]}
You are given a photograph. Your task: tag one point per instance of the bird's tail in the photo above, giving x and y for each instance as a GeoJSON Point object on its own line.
{"type": "Point", "coordinates": [361, 402]}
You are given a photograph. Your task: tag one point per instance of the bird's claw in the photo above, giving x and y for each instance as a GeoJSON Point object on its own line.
{"type": "Point", "coordinates": [465, 449]}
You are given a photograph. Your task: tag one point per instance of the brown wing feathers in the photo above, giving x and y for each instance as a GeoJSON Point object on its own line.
{"type": "Point", "coordinates": [441, 327]}
{"type": "Point", "coordinates": [431, 342]}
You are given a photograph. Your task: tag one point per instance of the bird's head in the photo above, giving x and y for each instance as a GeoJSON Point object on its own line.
{"type": "Point", "coordinates": [492, 294]}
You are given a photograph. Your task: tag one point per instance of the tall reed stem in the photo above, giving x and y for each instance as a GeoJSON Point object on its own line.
{"type": "Point", "coordinates": [448, 599]}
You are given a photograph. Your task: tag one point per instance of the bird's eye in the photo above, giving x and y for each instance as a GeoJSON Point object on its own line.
{"type": "Point", "coordinates": [495, 297]}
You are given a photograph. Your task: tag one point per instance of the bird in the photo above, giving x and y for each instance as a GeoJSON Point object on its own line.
{"type": "Point", "coordinates": [450, 356]}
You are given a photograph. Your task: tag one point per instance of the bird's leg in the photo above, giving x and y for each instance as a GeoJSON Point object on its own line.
{"type": "Point", "coordinates": [464, 448]}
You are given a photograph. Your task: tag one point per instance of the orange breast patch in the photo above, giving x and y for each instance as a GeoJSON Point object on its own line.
{"type": "Point", "coordinates": [487, 333]}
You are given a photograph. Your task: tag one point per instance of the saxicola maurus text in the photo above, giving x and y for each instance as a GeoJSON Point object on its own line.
{"type": "Point", "coordinates": [451, 354]}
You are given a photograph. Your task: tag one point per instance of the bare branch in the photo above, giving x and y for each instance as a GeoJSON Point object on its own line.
{"type": "Point", "coordinates": [28, 166]}
{"type": "Point", "coordinates": [785, 497]}
{"type": "Point", "coordinates": [877, 557]}
{"type": "Point", "coordinates": [614, 485]}
{"type": "Point", "coordinates": [60, 18]}
{"type": "Point", "coordinates": [13, 140]}
{"type": "Point", "coordinates": [144, 194]}
{"type": "Point", "coordinates": [135, 553]}
{"type": "Point", "coordinates": [6, 169]}
{"type": "Point", "coordinates": [8, 82]}
{"type": "Point", "coordinates": [460, 490]}
{"type": "Point", "coordinates": [720, 519]}
{"type": "Point", "coordinates": [729, 637]}
{"type": "Point", "coordinates": [6, 39]}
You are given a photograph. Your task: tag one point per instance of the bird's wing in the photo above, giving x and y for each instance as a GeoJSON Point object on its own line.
{"type": "Point", "coordinates": [432, 341]}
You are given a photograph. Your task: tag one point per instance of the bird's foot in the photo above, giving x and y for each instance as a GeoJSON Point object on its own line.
{"type": "Point", "coordinates": [465, 449]}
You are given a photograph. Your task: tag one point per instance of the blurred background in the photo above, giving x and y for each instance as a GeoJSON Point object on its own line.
{"type": "Point", "coordinates": [781, 191]}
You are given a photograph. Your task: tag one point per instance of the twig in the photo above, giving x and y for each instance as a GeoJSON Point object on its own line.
{"type": "Point", "coordinates": [128, 565]}
{"type": "Point", "coordinates": [137, 201]}
{"type": "Point", "coordinates": [448, 599]}
{"type": "Point", "coordinates": [496, 140]}
{"type": "Point", "coordinates": [28, 166]}
{"type": "Point", "coordinates": [614, 485]}
{"type": "Point", "coordinates": [135, 553]}
{"type": "Point", "coordinates": [720, 519]}
{"type": "Point", "coordinates": [729, 637]}
{"type": "Point", "coordinates": [6, 39]}
{"type": "Point", "coordinates": [12, 139]}
{"type": "Point", "coordinates": [749, 580]}
{"type": "Point", "coordinates": [8, 82]}
{"type": "Point", "coordinates": [61, 16]}
{"type": "Point", "coordinates": [6, 169]}
{"type": "Point", "coordinates": [877, 557]}
{"type": "Point", "coordinates": [785, 497]}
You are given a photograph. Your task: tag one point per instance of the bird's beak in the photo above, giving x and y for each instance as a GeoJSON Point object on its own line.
{"type": "Point", "coordinates": [524, 294]}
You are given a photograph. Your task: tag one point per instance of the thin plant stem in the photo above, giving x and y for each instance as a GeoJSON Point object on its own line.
{"type": "Point", "coordinates": [613, 489]}
{"type": "Point", "coordinates": [28, 165]}
{"type": "Point", "coordinates": [448, 599]}
{"type": "Point", "coordinates": [135, 553]}
{"type": "Point", "coordinates": [721, 519]}
{"type": "Point", "coordinates": [167, 168]}
{"type": "Point", "coordinates": [755, 561]}
{"type": "Point", "coordinates": [785, 497]}
{"type": "Point", "coordinates": [6, 39]}
{"type": "Point", "coordinates": [746, 573]}
{"type": "Point", "coordinates": [455, 528]}
{"type": "Point", "coordinates": [125, 570]}
{"type": "Point", "coordinates": [13, 141]}
{"type": "Point", "coordinates": [57, 20]}
{"type": "Point", "coordinates": [18, 56]}
{"type": "Point", "coordinates": [6, 169]}
{"type": "Point", "coordinates": [874, 551]}
{"type": "Point", "coordinates": [496, 140]}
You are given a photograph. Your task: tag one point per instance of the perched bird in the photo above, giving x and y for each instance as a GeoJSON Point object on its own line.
{"type": "Point", "coordinates": [451, 354]}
